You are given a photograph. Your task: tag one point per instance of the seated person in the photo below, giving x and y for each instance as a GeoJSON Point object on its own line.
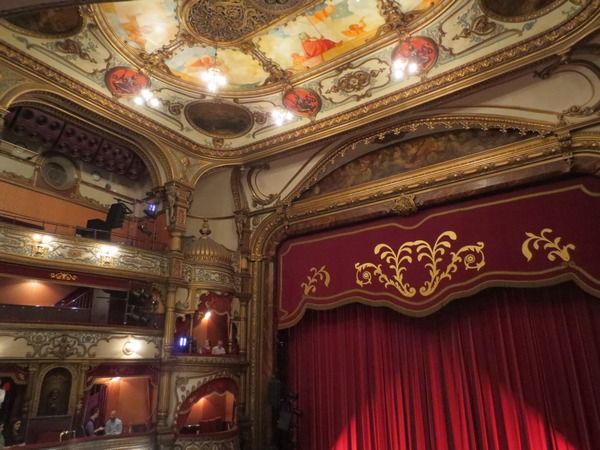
{"type": "Point", "coordinates": [206, 348]}
{"type": "Point", "coordinates": [114, 425]}
{"type": "Point", "coordinates": [91, 423]}
{"type": "Point", "coordinates": [218, 349]}
{"type": "Point", "coordinates": [15, 435]}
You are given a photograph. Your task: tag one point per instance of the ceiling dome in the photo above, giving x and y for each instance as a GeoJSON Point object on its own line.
{"type": "Point", "coordinates": [206, 251]}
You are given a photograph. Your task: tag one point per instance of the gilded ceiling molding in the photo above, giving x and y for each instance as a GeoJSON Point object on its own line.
{"type": "Point", "coordinates": [106, 105]}
{"type": "Point", "coordinates": [449, 82]}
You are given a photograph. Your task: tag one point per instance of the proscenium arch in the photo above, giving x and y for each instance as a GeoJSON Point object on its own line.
{"type": "Point", "coordinates": [409, 129]}
{"type": "Point", "coordinates": [581, 155]}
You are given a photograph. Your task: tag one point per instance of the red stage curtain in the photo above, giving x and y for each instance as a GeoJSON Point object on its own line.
{"type": "Point", "coordinates": [508, 369]}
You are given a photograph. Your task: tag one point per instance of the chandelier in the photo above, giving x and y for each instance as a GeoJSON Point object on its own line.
{"type": "Point", "coordinates": [213, 77]}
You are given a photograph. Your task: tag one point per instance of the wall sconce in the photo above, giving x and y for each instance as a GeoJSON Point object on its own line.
{"type": "Point", "coordinates": [130, 347]}
{"type": "Point", "coordinates": [41, 244]}
{"type": "Point", "coordinates": [203, 315]}
{"type": "Point", "coordinates": [107, 255]}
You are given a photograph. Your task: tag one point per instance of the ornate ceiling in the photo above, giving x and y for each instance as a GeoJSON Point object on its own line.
{"type": "Point", "coordinates": [329, 63]}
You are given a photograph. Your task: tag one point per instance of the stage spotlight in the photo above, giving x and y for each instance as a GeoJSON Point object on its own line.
{"type": "Point", "coordinates": [182, 343]}
{"type": "Point", "coordinates": [151, 210]}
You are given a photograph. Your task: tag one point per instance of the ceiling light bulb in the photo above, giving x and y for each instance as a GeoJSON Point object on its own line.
{"type": "Point", "coordinates": [281, 115]}
{"type": "Point", "coordinates": [146, 94]}
{"type": "Point", "coordinates": [399, 68]}
{"type": "Point", "coordinates": [138, 100]}
{"type": "Point", "coordinates": [154, 102]}
{"type": "Point", "coordinates": [214, 79]}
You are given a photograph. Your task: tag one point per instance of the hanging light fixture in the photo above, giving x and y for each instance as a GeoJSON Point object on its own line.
{"type": "Point", "coordinates": [146, 97]}
{"type": "Point", "coordinates": [403, 66]}
{"type": "Point", "coordinates": [281, 115]}
{"type": "Point", "coordinates": [213, 77]}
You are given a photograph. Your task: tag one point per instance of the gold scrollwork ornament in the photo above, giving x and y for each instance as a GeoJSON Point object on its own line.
{"type": "Point", "coordinates": [471, 256]}
{"type": "Point", "coordinates": [317, 275]}
{"type": "Point", "coordinates": [536, 241]}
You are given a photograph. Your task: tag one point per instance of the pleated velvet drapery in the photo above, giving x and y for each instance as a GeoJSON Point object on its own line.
{"type": "Point", "coordinates": [507, 369]}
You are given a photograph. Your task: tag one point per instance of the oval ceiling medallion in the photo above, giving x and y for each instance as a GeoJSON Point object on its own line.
{"type": "Point", "coordinates": [53, 22]}
{"type": "Point", "coordinates": [125, 82]}
{"type": "Point", "coordinates": [304, 102]}
{"type": "Point", "coordinates": [221, 119]}
{"type": "Point", "coordinates": [421, 50]}
{"type": "Point", "coordinates": [521, 9]}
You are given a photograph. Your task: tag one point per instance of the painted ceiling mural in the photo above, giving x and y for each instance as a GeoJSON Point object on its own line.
{"type": "Point", "coordinates": [412, 154]}
{"type": "Point", "coordinates": [319, 60]}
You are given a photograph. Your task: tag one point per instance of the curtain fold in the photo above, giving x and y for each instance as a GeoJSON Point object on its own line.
{"type": "Point", "coordinates": [505, 369]}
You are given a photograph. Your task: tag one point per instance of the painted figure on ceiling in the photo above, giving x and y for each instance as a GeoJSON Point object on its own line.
{"type": "Point", "coordinates": [316, 46]}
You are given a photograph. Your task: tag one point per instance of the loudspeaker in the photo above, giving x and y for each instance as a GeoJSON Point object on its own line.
{"type": "Point", "coordinates": [274, 393]}
{"type": "Point", "coordinates": [116, 215]}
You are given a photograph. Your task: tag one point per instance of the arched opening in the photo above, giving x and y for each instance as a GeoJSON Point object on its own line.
{"type": "Point", "coordinates": [209, 409]}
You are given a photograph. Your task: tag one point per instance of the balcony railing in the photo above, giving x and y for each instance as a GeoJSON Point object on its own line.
{"type": "Point", "coordinates": [33, 223]}
{"type": "Point", "coordinates": [56, 314]}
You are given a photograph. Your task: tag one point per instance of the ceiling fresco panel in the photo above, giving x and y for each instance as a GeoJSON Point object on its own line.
{"type": "Point", "coordinates": [343, 52]}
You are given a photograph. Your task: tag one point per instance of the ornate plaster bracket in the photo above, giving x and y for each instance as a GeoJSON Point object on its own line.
{"type": "Point", "coordinates": [545, 73]}
{"type": "Point", "coordinates": [404, 205]}
{"type": "Point", "coordinates": [566, 146]}
{"type": "Point", "coordinates": [258, 198]}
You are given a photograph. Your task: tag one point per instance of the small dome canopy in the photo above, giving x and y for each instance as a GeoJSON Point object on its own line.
{"type": "Point", "coordinates": [206, 251]}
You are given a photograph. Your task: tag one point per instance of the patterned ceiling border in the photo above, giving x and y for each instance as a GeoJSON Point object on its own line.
{"type": "Point", "coordinates": [446, 83]}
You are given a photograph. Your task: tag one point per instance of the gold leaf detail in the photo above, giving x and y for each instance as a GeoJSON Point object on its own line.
{"type": "Point", "coordinates": [399, 261]}
{"type": "Point", "coordinates": [556, 251]}
{"type": "Point", "coordinates": [63, 276]}
{"type": "Point", "coordinates": [317, 275]}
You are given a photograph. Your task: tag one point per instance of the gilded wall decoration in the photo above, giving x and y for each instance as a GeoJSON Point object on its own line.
{"type": "Point", "coordinates": [63, 276]}
{"type": "Point", "coordinates": [469, 29]}
{"type": "Point", "coordinates": [59, 345]}
{"type": "Point", "coordinates": [212, 276]}
{"type": "Point", "coordinates": [208, 443]}
{"type": "Point", "coordinates": [355, 83]}
{"type": "Point", "coordinates": [543, 242]}
{"type": "Point", "coordinates": [399, 262]}
{"type": "Point", "coordinates": [14, 241]}
{"type": "Point", "coordinates": [318, 276]}
{"type": "Point", "coordinates": [405, 205]}
{"type": "Point", "coordinates": [480, 26]}
{"type": "Point", "coordinates": [73, 47]}
{"type": "Point", "coordinates": [77, 250]}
